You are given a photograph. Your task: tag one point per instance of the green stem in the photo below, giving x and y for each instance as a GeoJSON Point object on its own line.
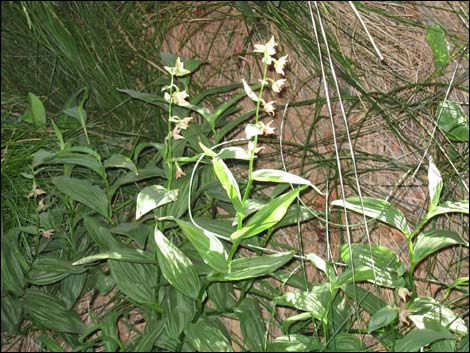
{"type": "Point", "coordinates": [169, 151]}
{"type": "Point", "coordinates": [236, 243]}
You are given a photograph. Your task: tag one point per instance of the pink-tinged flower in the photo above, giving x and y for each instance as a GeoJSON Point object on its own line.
{"type": "Point", "coordinates": [176, 134]}
{"type": "Point", "coordinates": [179, 98]}
{"type": "Point", "coordinates": [47, 233]}
{"type": "Point", "coordinates": [277, 85]}
{"type": "Point", "coordinates": [267, 128]}
{"type": "Point", "coordinates": [269, 107]}
{"type": "Point", "coordinates": [179, 172]}
{"type": "Point", "coordinates": [279, 65]}
{"type": "Point", "coordinates": [251, 145]}
{"type": "Point", "coordinates": [37, 192]}
{"type": "Point", "coordinates": [184, 123]}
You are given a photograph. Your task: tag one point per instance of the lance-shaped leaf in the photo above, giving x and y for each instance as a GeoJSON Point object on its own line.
{"type": "Point", "coordinates": [234, 152]}
{"type": "Point", "coordinates": [376, 208]}
{"type": "Point", "coordinates": [427, 308]}
{"type": "Point", "coordinates": [48, 270]}
{"type": "Point", "coordinates": [127, 255]}
{"type": "Point", "coordinates": [207, 245]}
{"type": "Point", "coordinates": [256, 266]}
{"type": "Point", "coordinates": [315, 301]}
{"type": "Point", "coordinates": [229, 183]}
{"type": "Point", "coordinates": [434, 240]}
{"type": "Point", "coordinates": [435, 184]}
{"type": "Point", "coordinates": [268, 216]}
{"type": "Point", "coordinates": [382, 318]}
{"type": "Point", "coordinates": [70, 157]}
{"type": "Point", "coordinates": [449, 207]}
{"type": "Point", "coordinates": [48, 311]}
{"type": "Point", "coordinates": [294, 343]}
{"type": "Point", "coordinates": [208, 335]}
{"type": "Point", "coordinates": [176, 267]}
{"type": "Point", "coordinates": [84, 192]}
{"type": "Point", "coordinates": [152, 197]}
{"type": "Point", "coordinates": [120, 161]}
{"type": "Point", "coordinates": [384, 265]}
{"type": "Point", "coordinates": [415, 339]}
{"type": "Point", "coordinates": [252, 324]}
{"type": "Point", "coordinates": [280, 176]}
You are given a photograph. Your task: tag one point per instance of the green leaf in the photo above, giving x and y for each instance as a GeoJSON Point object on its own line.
{"type": "Point", "coordinates": [69, 157]}
{"type": "Point", "coordinates": [126, 255]}
{"type": "Point", "coordinates": [280, 176]}
{"type": "Point", "coordinates": [135, 231]}
{"type": "Point", "coordinates": [367, 301]}
{"type": "Point", "coordinates": [268, 216]}
{"type": "Point", "coordinates": [51, 344]}
{"type": "Point", "coordinates": [376, 208]}
{"type": "Point", "coordinates": [153, 330]}
{"type": "Point", "coordinates": [386, 268]}
{"type": "Point", "coordinates": [48, 270]}
{"type": "Point", "coordinates": [208, 335]}
{"type": "Point", "coordinates": [382, 318]}
{"type": "Point", "coordinates": [234, 152]}
{"type": "Point", "coordinates": [59, 135]}
{"type": "Point", "coordinates": [49, 312]}
{"type": "Point", "coordinates": [426, 308]}
{"type": "Point", "coordinates": [152, 197]}
{"type": "Point", "coordinates": [120, 161]}
{"type": "Point", "coordinates": [416, 339]}
{"type": "Point", "coordinates": [179, 310]}
{"type": "Point", "coordinates": [104, 282]}
{"type": "Point", "coordinates": [315, 301]}
{"type": "Point", "coordinates": [435, 36]}
{"type": "Point", "coordinates": [222, 295]}
{"type": "Point", "coordinates": [37, 110]}
{"type": "Point", "coordinates": [434, 186]}
{"type": "Point", "coordinates": [256, 266]}
{"type": "Point", "coordinates": [345, 342]}
{"type": "Point", "coordinates": [12, 260]}
{"type": "Point", "coordinates": [434, 240]}
{"type": "Point", "coordinates": [229, 183]}
{"type": "Point", "coordinates": [453, 121]}
{"type": "Point", "coordinates": [11, 314]}
{"type": "Point", "coordinates": [294, 343]}
{"type": "Point", "coordinates": [101, 235]}
{"type": "Point", "coordinates": [137, 281]}
{"type": "Point", "coordinates": [132, 178]}
{"type": "Point", "coordinates": [252, 325]}
{"type": "Point", "coordinates": [207, 245]}
{"type": "Point", "coordinates": [84, 192]}
{"type": "Point", "coordinates": [71, 288]}
{"type": "Point", "coordinates": [322, 265]}
{"type": "Point", "coordinates": [176, 266]}
{"type": "Point", "coordinates": [449, 207]}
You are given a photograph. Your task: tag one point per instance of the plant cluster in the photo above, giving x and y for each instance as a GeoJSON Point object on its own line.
{"type": "Point", "coordinates": [143, 229]}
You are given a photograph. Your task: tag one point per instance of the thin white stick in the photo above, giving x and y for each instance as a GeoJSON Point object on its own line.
{"type": "Point", "coordinates": [358, 15]}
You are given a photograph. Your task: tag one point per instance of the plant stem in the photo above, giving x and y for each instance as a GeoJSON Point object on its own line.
{"type": "Point", "coordinates": [169, 151]}
{"type": "Point", "coordinates": [236, 243]}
